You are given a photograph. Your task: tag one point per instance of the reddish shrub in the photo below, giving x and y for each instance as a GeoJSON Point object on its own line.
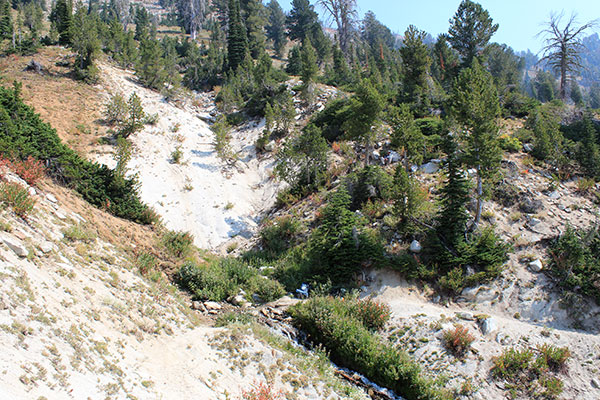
{"type": "Point", "coordinates": [30, 170]}
{"type": "Point", "coordinates": [458, 340]}
{"type": "Point", "coordinates": [373, 315]}
{"type": "Point", "coordinates": [262, 391]}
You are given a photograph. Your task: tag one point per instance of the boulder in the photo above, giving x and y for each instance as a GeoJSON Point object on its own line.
{"type": "Point", "coordinates": [531, 206]}
{"type": "Point", "coordinates": [51, 198]}
{"type": "Point", "coordinates": [536, 266]}
{"type": "Point", "coordinates": [14, 244]}
{"type": "Point", "coordinates": [430, 168]}
{"type": "Point", "coordinates": [415, 246]}
{"type": "Point", "coordinates": [528, 148]}
{"type": "Point", "coordinates": [488, 326]}
{"type": "Point", "coordinates": [467, 316]}
{"type": "Point", "coordinates": [212, 305]}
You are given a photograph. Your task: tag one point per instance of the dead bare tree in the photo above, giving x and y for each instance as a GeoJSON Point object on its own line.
{"type": "Point", "coordinates": [344, 13]}
{"type": "Point", "coordinates": [192, 12]}
{"type": "Point", "coordinates": [563, 47]}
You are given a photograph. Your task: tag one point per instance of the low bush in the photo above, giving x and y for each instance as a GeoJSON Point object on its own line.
{"type": "Point", "coordinates": [178, 243]}
{"type": "Point", "coordinates": [374, 315]}
{"type": "Point", "coordinates": [458, 340]}
{"type": "Point", "coordinates": [327, 321]}
{"type": "Point", "coordinates": [146, 262]}
{"type": "Point", "coordinates": [222, 279]}
{"type": "Point", "coordinates": [17, 198]}
{"type": "Point", "coordinates": [30, 169]}
{"type": "Point", "coordinates": [510, 143]}
{"type": "Point", "coordinates": [530, 375]}
{"type": "Point", "coordinates": [370, 183]}
{"type": "Point", "coordinates": [79, 233]}
{"type": "Point", "coordinates": [230, 318]}
{"type": "Point", "coordinates": [262, 391]}
{"type": "Point", "coordinates": [278, 235]}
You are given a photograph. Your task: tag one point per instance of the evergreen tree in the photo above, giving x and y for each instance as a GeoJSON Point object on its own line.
{"type": "Point", "coordinates": [576, 95]}
{"type": "Point", "coordinates": [6, 24]}
{"type": "Point", "coordinates": [474, 105]}
{"type": "Point", "coordinates": [594, 96]}
{"type": "Point", "coordinates": [471, 29]}
{"type": "Point", "coordinates": [301, 19]}
{"type": "Point", "coordinates": [294, 66]}
{"type": "Point", "coordinates": [309, 62]}
{"type": "Point", "coordinates": [406, 136]}
{"type": "Point", "coordinates": [406, 197]}
{"type": "Point", "coordinates": [548, 140]}
{"type": "Point", "coordinates": [365, 108]}
{"type": "Point", "coordinates": [61, 17]}
{"type": "Point", "coordinates": [416, 62]}
{"type": "Point", "coordinates": [588, 152]}
{"type": "Point", "coordinates": [149, 68]}
{"type": "Point", "coordinates": [452, 219]}
{"type": "Point", "coordinates": [544, 86]}
{"type": "Point", "coordinates": [142, 23]}
{"type": "Point", "coordinates": [303, 160]}
{"type": "Point", "coordinates": [237, 42]}
{"type": "Point", "coordinates": [276, 27]}
{"type": "Point", "coordinates": [341, 72]}
{"type": "Point", "coordinates": [445, 64]}
{"type": "Point", "coordinates": [255, 19]}
{"type": "Point", "coordinates": [85, 42]}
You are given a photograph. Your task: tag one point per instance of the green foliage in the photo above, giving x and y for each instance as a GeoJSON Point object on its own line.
{"type": "Point", "coordinates": [233, 318]}
{"type": "Point", "coordinates": [309, 68]}
{"type": "Point", "coordinates": [330, 322]}
{"type": "Point", "coordinates": [221, 141]}
{"type": "Point", "coordinates": [471, 28]}
{"type": "Point", "coordinates": [406, 135]}
{"type": "Point", "coordinates": [61, 18]}
{"type": "Point", "coordinates": [224, 278]}
{"type": "Point", "coordinates": [136, 117]}
{"type": "Point", "coordinates": [85, 42]}
{"type": "Point", "coordinates": [528, 374]}
{"type": "Point", "coordinates": [79, 233]}
{"type": "Point", "coordinates": [332, 118]}
{"type": "Point", "coordinates": [548, 141]}
{"type": "Point", "coordinates": [178, 243]}
{"type": "Point", "coordinates": [458, 340]}
{"type": "Point", "coordinates": [23, 134]}
{"type": "Point", "coordinates": [279, 235]}
{"type": "Point", "coordinates": [544, 87]}
{"type": "Point", "coordinates": [6, 23]}
{"type": "Point", "coordinates": [303, 160]}
{"type": "Point", "coordinates": [294, 66]}
{"type": "Point", "coordinates": [510, 143]}
{"type": "Point", "coordinates": [339, 246]}
{"type": "Point", "coordinates": [276, 27]}
{"type": "Point", "coordinates": [575, 261]}
{"type": "Point", "coordinates": [17, 197]}
{"type": "Point", "coordinates": [588, 152]}
{"type": "Point", "coordinates": [415, 62]}
{"type": "Point", "coordinates": [369, 183]}
{"type": "Point", "coordinates": [237, 41]}
{"type": "Point", "coordinates": [407, 198]}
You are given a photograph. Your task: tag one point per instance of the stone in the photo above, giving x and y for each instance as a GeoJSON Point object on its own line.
{"type": "Point", "coordinates": [32, 191]}
{"type": "Point", "coordinates": [536, 266]}
{"type": "Point", "coordinates": [502, 338]}
{"type": "Point", "coordinates": [488, 326]}
{"type": "Point", "coordinates": [534, 221]}
{"type": "Point", "coordinates": [197, 305]}
{"type": "Point", "coordinates": [531, 206]}
{"type": "Point", "coordinates": [239, 300]}
{"type": "Point", "coordinates": [554, 195]}
{"type": "Point", "coordinates": [51, 198]}
{"type": "Point", "coordinates": [393, 157]}
{"type": "Point", "coordinates": [212, 305]}
{"type": "Point", "coordinates": [46, 247]}
{"type": "Point", "coordinates": [415, 246]}
{"type": "Point", "coordinates": [15, 245]}
{"type": "Point", "coordinates": [467, 316]}
{"type": "Point", "coordinates": [469, 294]}
{"type": "Point", "coordinates": [527, 147]}
{"type": "Point", "coordinates": [595, 383]}
{"type": "Point", "coordinates": [60, 215]}
{"type": "Point", "coordinates": [430, 168]}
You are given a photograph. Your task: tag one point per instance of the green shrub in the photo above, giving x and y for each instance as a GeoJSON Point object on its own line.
{"type": "Point", "coordinates": [370, 183]}
{"type": "Point", "coordinates": [146, 262]}
{"type": "Point", "coordinates": [115, 111]}
{"type": "Point", "coordinates": [278, 235]}
{"type": "Point", "coordinates": [372, 314]}
{"type": "Point", "coordinates": [224, 278]}
{"type": "Point", "coordinates": [176, 155]}
{"type": "Point", "coordinates": [17, 198]}
{"type": "Point", "coordinates": [230, 318]}
{"type": "Point", "coordinates": [575, 261]}
{"type": "Point", "coordinates": [327, 321]}
{"type": "Point", "coordinates": [510, 143]}
{"type": "Point", "coordinates": [178, 243]}
{"type": "Point", "coordinates": [430, 126]}
{"type": "Point", "coordinates": [79, 233]}
{"type": "Point", "coordinates": [23, 134]}
{"type": "Point", "coordinates": [512, 363]}
{"type": "Point", "coordinates": [458, 340]}
{"type": "Point", "coordinates": [332, 118]}
{"type": "Point", "coordinates": [554, 357]}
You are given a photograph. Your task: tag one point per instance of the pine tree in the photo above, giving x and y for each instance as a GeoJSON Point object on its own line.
{"type": "Point", "coordinates": [416, 62]}
{"type": "Point", "coordinates": [406, 196]}
{"type": "Point", "coordinates": [445, 63]}
{"type": "Point", "coordinates": [365, 108]}
{"type": "Point", "coordinates": [149, 68]}
{"type": "Point", "coordinates": [294, 66]}
{"type": "Point", "coordinates": [340, 67]}
{"type": "Point", "coordinates": [237, 42]}
{"type": "Point", "coordinates": [276, 27]}
{"type": "Point", "coordinates": [254, 17]}
{"type": "Point", "coordinates": [454, 194]}
{"type": "Point", "coordinates": [142, 23]}
{"type": "Point", "coordinates": [471, 29]}
{"type": "Point", "coordinates": [309, 62]}
{"type": "Point", "coordinates": [588, 152]}
{"type": "Point", "coordinates": [61, 17]}
{"type": "Point", "coordinates": [6, 24]}
{"type": "Point", "coordinates": [406, 136]}
{"type": "Point", "coordinates": [475, 106]}
{"type": "Point", "coordinates": [85, 42]}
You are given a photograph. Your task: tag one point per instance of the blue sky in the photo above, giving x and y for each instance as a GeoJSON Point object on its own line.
{"type": "Point", "coordinates": [519, 20]}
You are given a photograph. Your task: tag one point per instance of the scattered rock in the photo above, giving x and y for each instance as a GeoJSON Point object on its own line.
{"type": "Point", "coordinates": [32, 191]}
{"type": "Point", "coordinates": [212, 306]}
{"type": "Point", "coordinates": [467, 316]}
{"type": "Point", "coordinates": [430, 168]}
{"type": "Point", "coordinates": [197, 305]}
{"type": "Point", "coordinates": [51, 198]}
{"type": "Point", "coordinates": [35, 66]}
{"type": "Point", "coordinates": [15, 245]}
{"type": "Point", "coordinates": [46, 247]}
{"type": "Point", "coordinates": [527, 147]}
{"type": "Point", "coordinates": [488, 326]}
{"type": "Point", "coordinates": [531, 206]}
{"type": "Point", "coordinates": [595, 383]}
{"type": "Point", "coordinates": [536, 266]}
{"type": "Point", "coordinates": [415, 246]}
{"type": "Point", "coordinates": [60, 215]}
{"type": "Point", "coordinates": [554, 195]}
{"type": "Point", "coordinates": [502, 338]}
{"type": "Point", "coordinates": [240, 301]}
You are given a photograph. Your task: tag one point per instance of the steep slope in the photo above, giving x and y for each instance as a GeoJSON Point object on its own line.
{"type": "Point", "coordinates": [78, 321]}
{"type": "Point", "coordinates": [200, 194]}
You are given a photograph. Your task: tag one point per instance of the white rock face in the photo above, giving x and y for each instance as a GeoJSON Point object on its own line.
{"type": "Point", "coordinates": [488, 326]}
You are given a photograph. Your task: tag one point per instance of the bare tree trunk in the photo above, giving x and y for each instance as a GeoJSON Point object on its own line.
{"type": "Point", "coordinates": [479, 196]}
